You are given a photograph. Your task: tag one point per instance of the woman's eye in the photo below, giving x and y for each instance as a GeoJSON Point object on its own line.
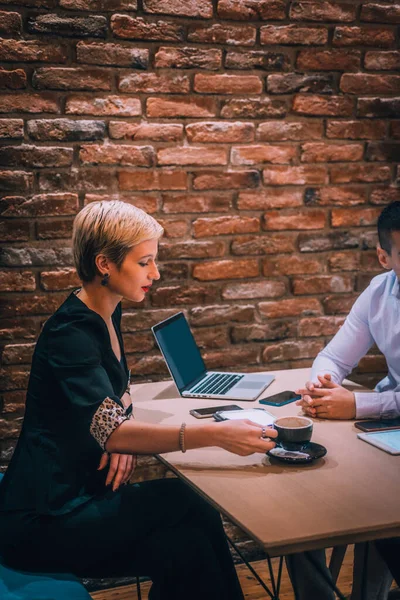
{"type": "Point", "coordinates": [144, 264]}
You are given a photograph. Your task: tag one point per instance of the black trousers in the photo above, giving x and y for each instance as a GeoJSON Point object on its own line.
{"type": "Point", "coordinates": [161, 529]}
{"type": "Point", "coordinates": [390, 552]}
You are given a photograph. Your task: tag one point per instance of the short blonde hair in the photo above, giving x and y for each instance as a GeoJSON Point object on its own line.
{"type": "Point", "coordinates": [111, 228]}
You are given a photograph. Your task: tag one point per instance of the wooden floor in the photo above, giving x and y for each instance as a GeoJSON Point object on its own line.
{"type": "Point", "coordinates": [250, 586]}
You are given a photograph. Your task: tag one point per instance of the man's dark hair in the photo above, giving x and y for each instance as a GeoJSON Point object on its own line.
{"type": "Point", "coordinates": [389, 220]}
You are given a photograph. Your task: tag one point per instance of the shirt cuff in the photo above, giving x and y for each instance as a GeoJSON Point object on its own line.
{"type": "Point", "coordinates": [105, 421]}
{"type": "Point", "coordinates": [368, 405]}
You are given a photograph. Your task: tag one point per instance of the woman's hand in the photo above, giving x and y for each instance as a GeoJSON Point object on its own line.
{"type": "Point", "coordinates": [244, 437]}
{"type": "Point", "coordinates": [327, 400]}
{"type": "Point", "coordinates": [121, 468]}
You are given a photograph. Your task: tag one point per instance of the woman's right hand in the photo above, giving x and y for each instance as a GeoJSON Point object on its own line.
{"type": "Point", "coordinates": [244, 437]}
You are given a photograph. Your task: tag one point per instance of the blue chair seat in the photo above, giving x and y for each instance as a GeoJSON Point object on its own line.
{"type": "Point", "coordinates": [22, 585]}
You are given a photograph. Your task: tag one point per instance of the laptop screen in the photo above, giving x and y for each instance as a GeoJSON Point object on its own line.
{"type": "Point", "coordinates": [180, 351]}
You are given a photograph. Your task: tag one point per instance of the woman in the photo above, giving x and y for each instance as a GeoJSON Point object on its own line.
{"type": "Point", "coordinates": [57, 511]}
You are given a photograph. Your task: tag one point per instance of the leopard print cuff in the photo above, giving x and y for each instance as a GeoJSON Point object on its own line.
{"type": "Point", "coordinates": [105, 420]}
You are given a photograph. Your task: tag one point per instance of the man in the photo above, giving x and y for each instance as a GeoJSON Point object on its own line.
{"type": "Point", "coordinates": [374, 318]}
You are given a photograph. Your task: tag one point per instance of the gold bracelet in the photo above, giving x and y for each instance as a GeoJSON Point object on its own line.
{"type": "Point", "coordinates": [182, 437]}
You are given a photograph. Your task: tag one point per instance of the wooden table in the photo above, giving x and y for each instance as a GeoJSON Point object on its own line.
{"type": "Point", "coordinates": [350, 495]}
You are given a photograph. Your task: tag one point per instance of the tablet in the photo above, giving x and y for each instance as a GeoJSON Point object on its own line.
{"type": "Point", "coordinates": [389, 441]}
{"type": "Point", "coordinates": [257, 415]}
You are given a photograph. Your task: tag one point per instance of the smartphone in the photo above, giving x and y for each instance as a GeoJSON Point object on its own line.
{"type": "Point", "coordinates": [203, 413]}
{"type": "Point", "coordinates": [383, 425]}
{"type": "Point", "coordinates": [280, 399]}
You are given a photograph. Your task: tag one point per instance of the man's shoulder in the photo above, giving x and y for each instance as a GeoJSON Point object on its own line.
{"type": "Point", "coordinates": [382, 283]}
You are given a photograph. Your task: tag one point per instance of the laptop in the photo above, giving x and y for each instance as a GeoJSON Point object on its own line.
{"type": "Point", "coordinates": [189, 372]}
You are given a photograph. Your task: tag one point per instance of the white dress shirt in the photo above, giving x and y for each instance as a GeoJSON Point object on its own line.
{"type": "Point", "coordinates": [374, 318]}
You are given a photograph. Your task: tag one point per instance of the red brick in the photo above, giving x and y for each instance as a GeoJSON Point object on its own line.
{"type": "Point", "coordinates": [261, 332]}
{"type": "Point", "coordinates": [290, 307]}
{"type": "Point", "coordinates": [321, 152]}
{"type": "Point", "coordinates": [35, 156]}
{"type": "Point", "coordinates": [329, 60]}
{"type": "Point", "coordinates": [293, 266]}
{"type": "Point", "coordinates": [188, 58]}
{"type": "Point", "coordinates": [227, 225]}
{"type": "Point", "coordinates": [16, 329]}
{"type": "Point", "coordinates": [174, 227]}
{"type": "Point", "coordinates": [313, 105]}
{"type": "Point", "coordinates": [182, 295]}
{"type": "Point", "coordinates": [11, 129]}
{"type": "Point", "coordinates": [40, 205]}
{"type": "Point", "coordinates": [253, 108]}
{"type": "Point", "coordinates": [360, 217]}
{"type": "Point", "coordinates": [319, 326]}
{"type": "Point", "coordinates": [12, 80]}
{"type": "Point", "coordinates": [180, 107]}
{"type": "Point", "coordinates": [49, 230]}
{"type": "Point", "coordinates": [62, 279]}
{"type": "Point", "coordinates": [212, 180]}
{"type": "Point", "coordinates": [117, 154]}
{"type": "Point", "coordinates": [11, 379]}
{"type": "Point", "coordinates": [191, 249]}
{"type": "Point", "coordinates": [32, 51]}
{"type": "Point", "coordinates": [293, 35]}
{"type": "Point", "coordinates": [395, 130]}
{"type": "Point", "coordinates": [384, 195]}
{"type": "Point", "coordinates": [356, 130]}
{"type": "Point", "coordinates": [257, 59]}
{"type": "Point", "coordinates": [93, 26]}
{"type": "Point", "coordinates": [144, 319]}
{"type": "Point", "coordinates": [152, 180]}
{"type": "Point", "coordinates": [276, 131]}
{"type": "Point", "coordinates": [99, 5]}
{"type": "Point", "coordinates": [213, 337]}
{"type": "Point", "coordinates": [226, 269]}
{"type": "Point", "coordinates": [335, 240]}
{"type": "Point", "coordinates": [253, 289]}
{"type": "Point", "coordinates": [337, 196]}
{"type": "Point", "coordinates": [196, 203]}
{"type": "Point", "coordinates": [138, 342]}
{"type": "Point", "coordinates": [153, 83]}
{"type": "Point", "coordinates": [124, 26]}
{"type": "Point", "coordinates": [237, 35]}
{"type": "Point", "coordinates": [334, 305]}
{"type": "Point", "coordinates": [381, 13]}
{"type": "Point", "coordinates": [148, 365]}
{"type": "Point", "coordinates": [107, 105]}
{"type": "Point", "coordinates": [306, 219]}
{"type": "Point", "coordinates": [378, 107]}
{"type": "Point", "coordinates": [227, 84]}
{"type": "Point", "coordinates": [220, 132]}
{"type": "Point", "coordinates": [192, 155]}
{"type": "Point", "coordinates": [322, 284]}
{"type": "Point", "coordinates": [374, 364]}
{"type": "Point", "coordinates": [222, 313]}
{"type": "Point", "coordinates": [323, 11]}
{"type": "Point", "coordinates": [146, 202]}
{"type": "Point", "coordinates": [236, 356]}
{"type": "Point", "coordinates": [28, 103]}
{"type": "Point", "coordinates": [273, 243]}
{"type": "Point", "coordinates": [190, 8]}
{"type": "Point", "coordinates": [383, 151]}
{"type": "Point", "coordinates": [375, 84]}
{"type": "Point", "coordinates": [14, 231]}
{"type": "Point", "coordinates": [360, 174]}
{"type": "Point", "coordinates": [35, 256]}
{"type": "Point", "coordinates": [270, 198]}
{"type": "Point", "coordinates": [61, 78]}
{"type": "Point", "coordinates": [158, 132]}
{"type": "Point", "coordinates": [363, 281]}
{"type": "Point", "coordinates": [14, 403]}
{"type": "Point", "coordinates": [16, 181]}
{"type": "Point", "coordinates": [296, 82]}
{"type": "Point", "coordinates": [382, 37]}
{"type": "Point", "coordinates": [291, 350]}
{"type": "Point", "coordinates": [376, 60]}
{"type": "Point", "coordinates": [99, 53]}
{"type": "Point", "coordinates": [17, 281]}
{"type": "Point", "coordinates": [370, 262]}
{"type": "Point", "coordinates": [245, 10]}
{"type": "Point", "coordinates": [267, 153]}
{"type": "Point", "coordinates": [94, 179]}
{"type": "Point", "coordinates": [31, 304]}
{"type": "Point", "coordinates": [66, 130]}
{"type": "Point", "coordinates": [297, 175]}
{"type": "Point", "coordinates": [10, 23]}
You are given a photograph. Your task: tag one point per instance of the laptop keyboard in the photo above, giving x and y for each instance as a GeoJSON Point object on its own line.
{"type": "Point", "coordinates": [218, 383]}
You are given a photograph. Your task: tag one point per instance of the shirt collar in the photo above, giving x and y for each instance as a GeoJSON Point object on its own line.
{"type": "Point", "coordinates": [395, 288]}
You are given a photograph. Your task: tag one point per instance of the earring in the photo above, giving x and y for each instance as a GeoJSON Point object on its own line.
{"type": "Point", "coordinates": [105, 279]}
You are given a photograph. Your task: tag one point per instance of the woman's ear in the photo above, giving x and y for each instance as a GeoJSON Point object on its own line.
{"type": "Point", "coordinates": [102, 264]}
{"type": "Point", "coordinates": [383, 257]}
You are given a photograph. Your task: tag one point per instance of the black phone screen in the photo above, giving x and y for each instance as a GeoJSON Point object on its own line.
{"type": "Point", "coordinates": [210, 410]}
{"type": "Point", "coordinates": [384, 424]}
{"type": "Point", "coordinates": [281, 398]}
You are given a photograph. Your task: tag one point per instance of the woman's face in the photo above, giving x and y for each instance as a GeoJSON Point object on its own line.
{"type": "Point", "coordinates": [137, 272]}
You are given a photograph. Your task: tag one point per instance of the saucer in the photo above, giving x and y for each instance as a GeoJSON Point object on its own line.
{"type": "Point", "coordinates": [308, 452]}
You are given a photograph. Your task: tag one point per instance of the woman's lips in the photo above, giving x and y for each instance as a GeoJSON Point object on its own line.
{"type": "Point", "coordinates": [146, 288]}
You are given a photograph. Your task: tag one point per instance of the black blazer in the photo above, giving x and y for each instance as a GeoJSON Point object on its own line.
{"type": "Point", "coordinates": [74, 370]}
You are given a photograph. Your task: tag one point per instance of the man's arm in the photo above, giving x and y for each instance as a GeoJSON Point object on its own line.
{"type": "Point", "coordinates": [377, 405]}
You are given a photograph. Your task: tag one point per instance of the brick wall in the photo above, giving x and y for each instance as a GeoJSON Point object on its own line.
{"type": "Point", "coordinates": [262, 134]}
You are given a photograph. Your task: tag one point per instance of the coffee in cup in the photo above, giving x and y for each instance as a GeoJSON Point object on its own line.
{"type": "Point", "coordinates": [293, 432]}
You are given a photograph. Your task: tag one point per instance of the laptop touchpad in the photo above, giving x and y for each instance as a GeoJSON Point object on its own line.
{"type": "Point", "coordinates": [249, 385]}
